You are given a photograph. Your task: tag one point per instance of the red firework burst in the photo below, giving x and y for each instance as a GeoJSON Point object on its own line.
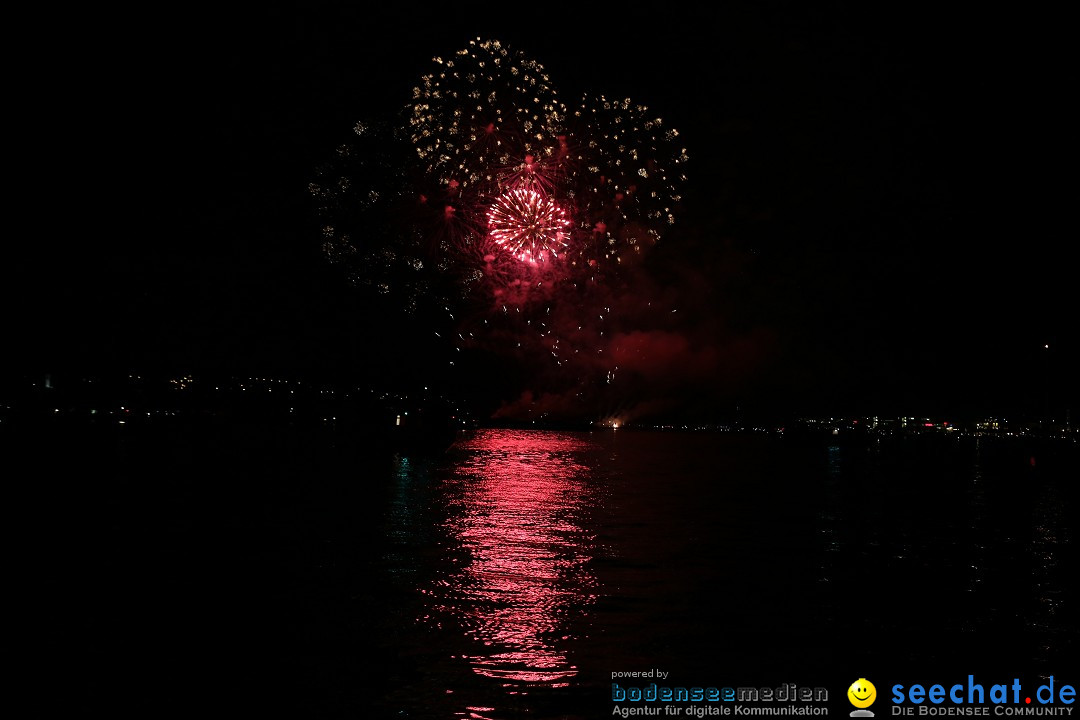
{"type": "Point", "coordinates": [528, 224]}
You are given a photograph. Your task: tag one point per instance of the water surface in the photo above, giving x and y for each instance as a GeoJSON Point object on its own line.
{"type": "Point", "coordinates": [268, 570]}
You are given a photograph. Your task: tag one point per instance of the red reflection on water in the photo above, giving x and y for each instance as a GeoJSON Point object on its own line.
{"type": "Point", "coordinates": [518, 502]}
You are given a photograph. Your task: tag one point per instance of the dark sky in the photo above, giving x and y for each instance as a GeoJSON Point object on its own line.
{"type": "Point", "coordinates": [875, 220]}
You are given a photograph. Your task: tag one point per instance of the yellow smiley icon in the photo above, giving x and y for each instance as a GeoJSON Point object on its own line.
{"type": "Point", "coordinates": [862, 693]}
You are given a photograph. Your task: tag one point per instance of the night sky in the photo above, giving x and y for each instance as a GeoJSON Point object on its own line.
{"type": "Point", "coordinates": [875, 221]}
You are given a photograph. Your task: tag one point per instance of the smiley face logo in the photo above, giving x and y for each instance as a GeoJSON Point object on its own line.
{"type": "Point", "coordinates": [862, 693]}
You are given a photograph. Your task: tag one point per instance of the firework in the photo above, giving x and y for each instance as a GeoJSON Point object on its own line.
{"type": "Point", "coordinates": [626, 170]}
{"type": "Point", "coordinates": [528, 223]}
{"type": "Point", "coordinates": [491, 199]}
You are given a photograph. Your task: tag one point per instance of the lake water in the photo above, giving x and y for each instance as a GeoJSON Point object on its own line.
{"type": "Point", "coordinates": [305, 573]}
